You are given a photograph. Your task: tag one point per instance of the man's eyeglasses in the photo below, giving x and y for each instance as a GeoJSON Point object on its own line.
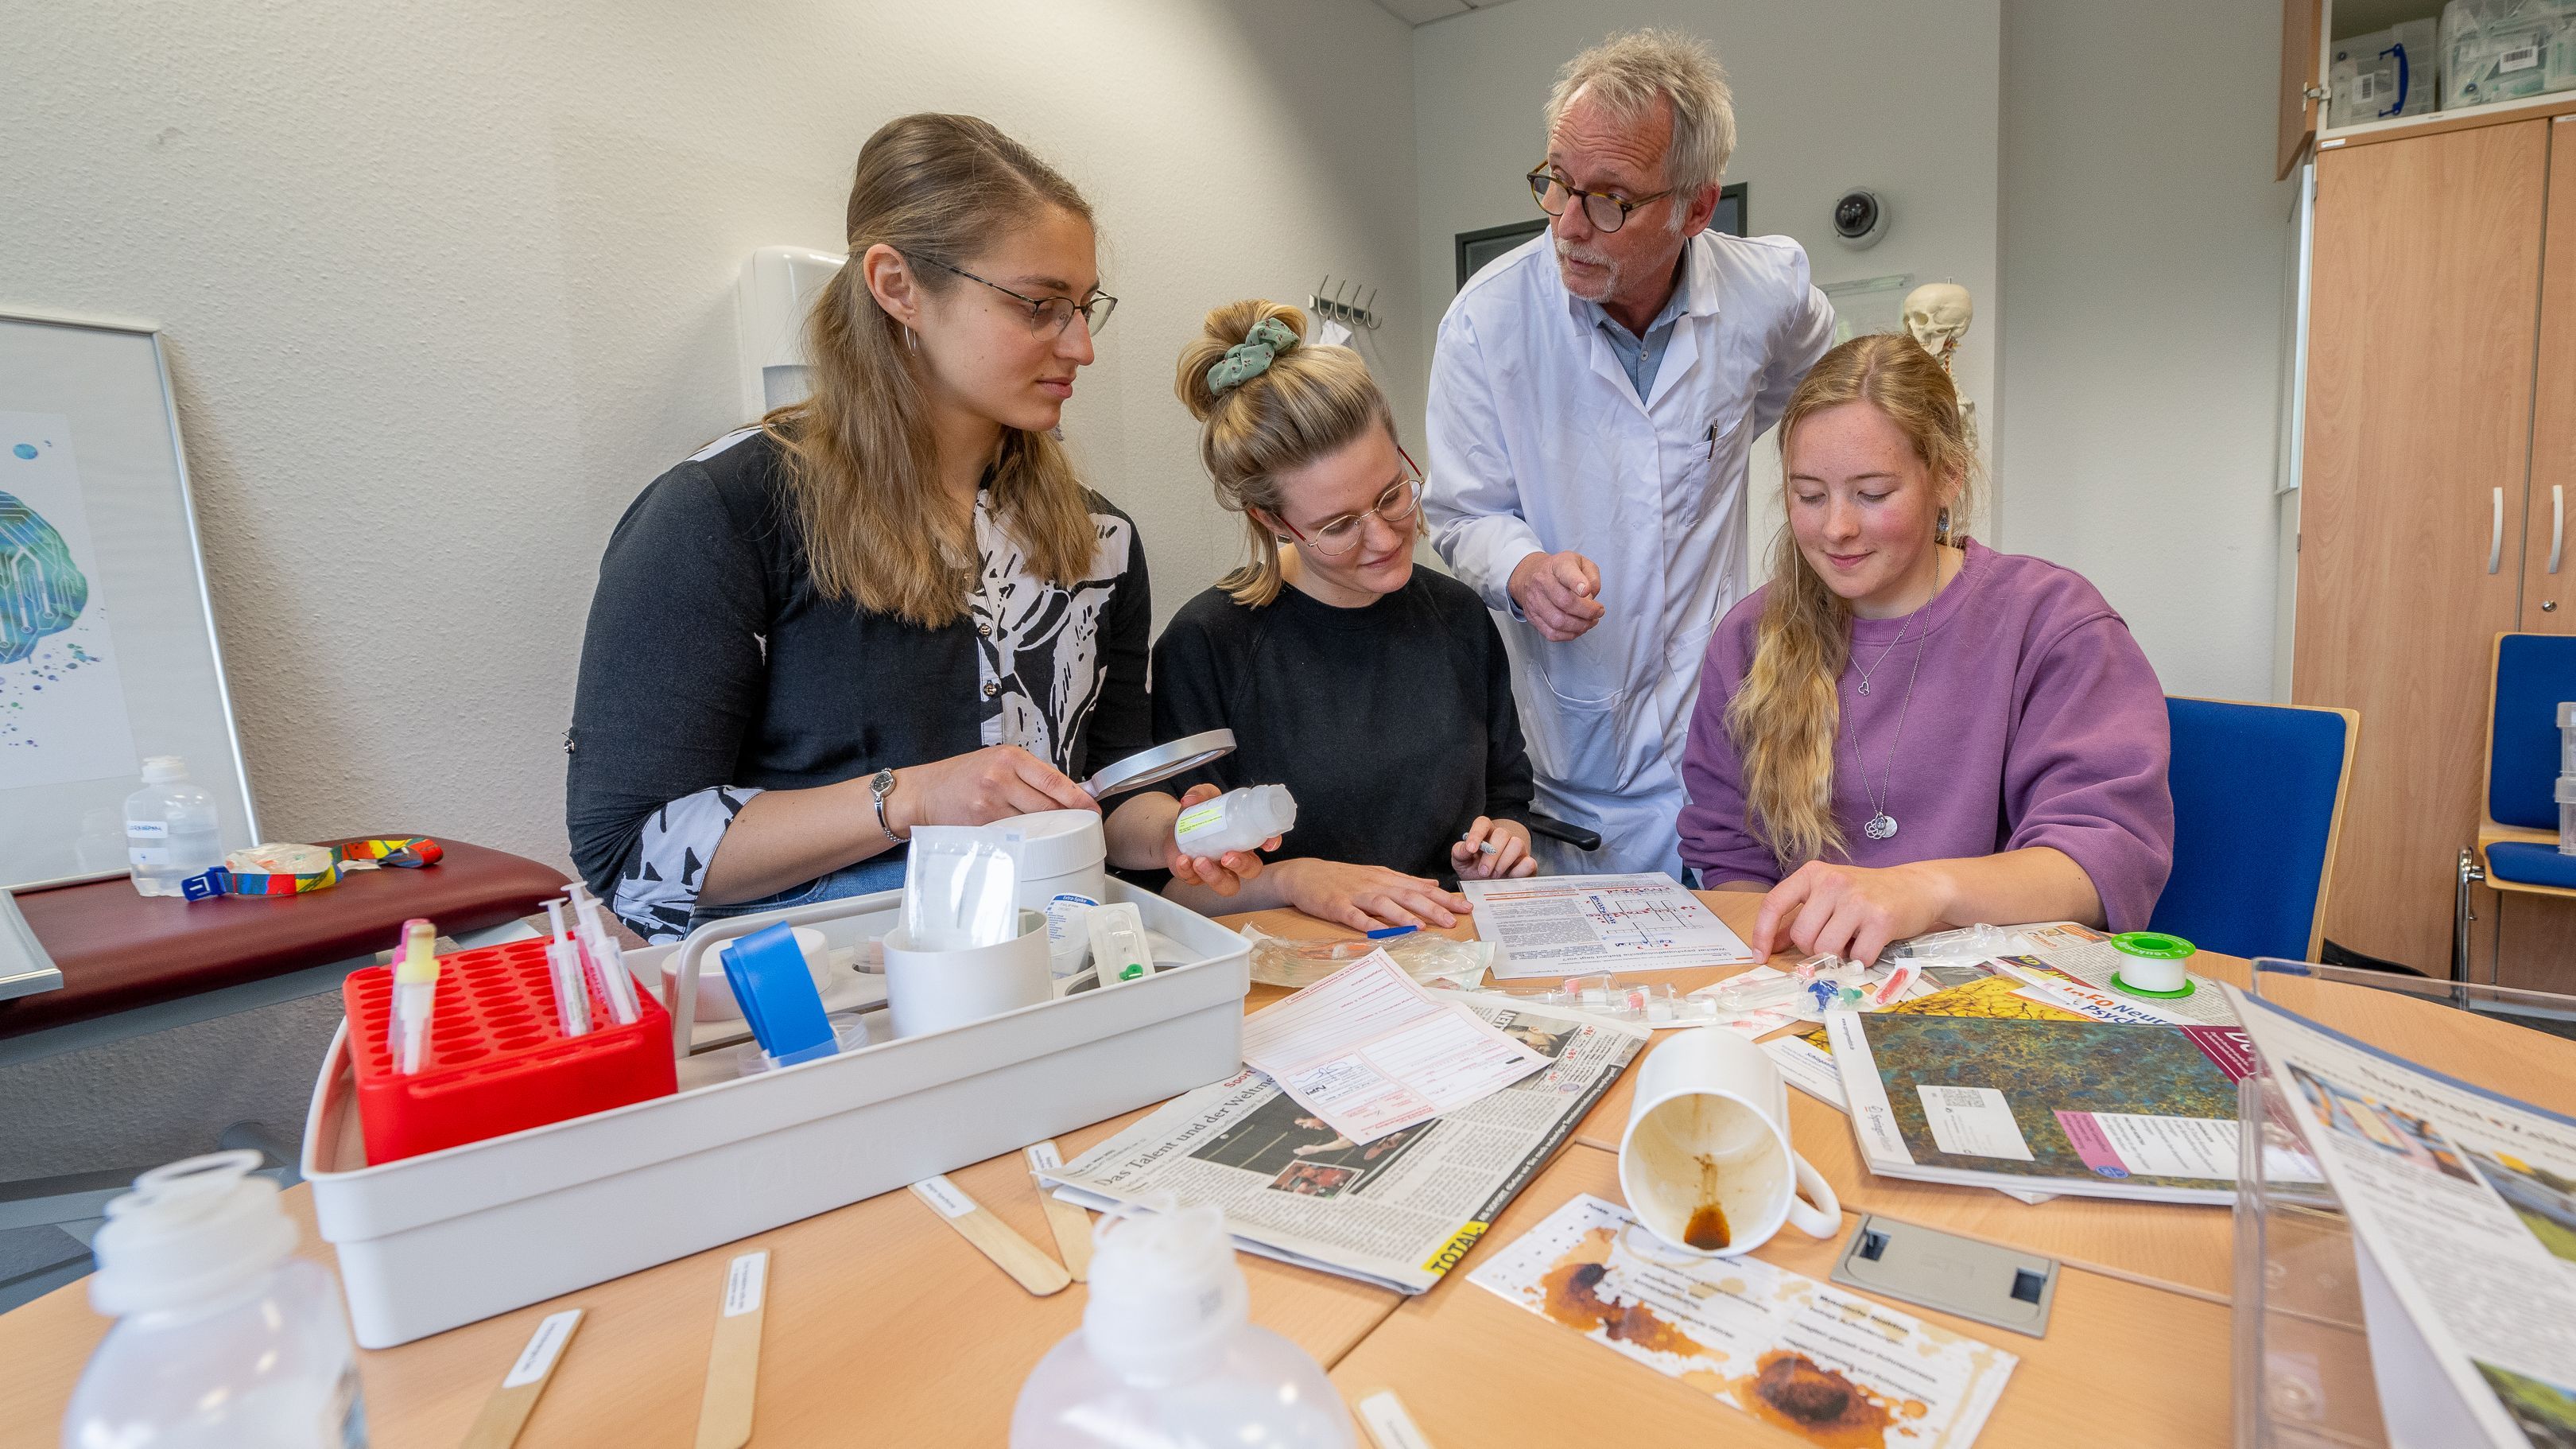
{"type": "Point", "coordinates": [1605, 211]}
{"type": "Point", "coordinates": [1048, 316]}
{"type": "Point", "coordinates": [1397, 505]}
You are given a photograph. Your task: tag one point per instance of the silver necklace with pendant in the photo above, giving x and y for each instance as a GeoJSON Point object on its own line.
{"type": "Point", "coordinates": [1881, 825]}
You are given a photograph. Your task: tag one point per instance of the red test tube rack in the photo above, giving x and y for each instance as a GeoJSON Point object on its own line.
{"type": "Point", "coordinates": [497, 1059]}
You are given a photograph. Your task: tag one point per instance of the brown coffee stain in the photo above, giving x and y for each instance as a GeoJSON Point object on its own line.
{"type": "Point", "coordinates": [1818, 1404]}
{"type": "Point", "coordinates": [1707, 1230]}
{"type": "Point", "coordinates": [1571, 1295]}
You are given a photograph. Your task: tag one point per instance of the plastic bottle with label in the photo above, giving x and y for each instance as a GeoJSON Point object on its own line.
{"type": "Point", "coordinates": [224, 1339]}
{"type": "Point", "coordinates": [1167, 1357]}
{"type": "Point", "coordinates": [170, 829]}
{"type": "Point", "coordinates": [1236, 820]}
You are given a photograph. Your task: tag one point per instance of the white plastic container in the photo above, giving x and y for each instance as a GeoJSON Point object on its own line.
{"type": "Point", "coordinates": [2499, 50]}
{"type": "Point", "coordinates": [1063, 871]}
{"type": "Point", "coordinates": [1236, 820]}
{"type": "Point", "coordinates": [430, 1242]}
{"type": "Point", "coordinates": [224, 1339]}
{"type": "Point", "coordinates": [1166, 1355]}
{"type": "Point", "coordinates": [935, 990]}
{"type": "Point", "coordinates": [171, 832]}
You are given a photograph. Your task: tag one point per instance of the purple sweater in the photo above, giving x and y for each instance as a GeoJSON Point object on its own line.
{"type": "Point", "coordinates": [2036, 720]}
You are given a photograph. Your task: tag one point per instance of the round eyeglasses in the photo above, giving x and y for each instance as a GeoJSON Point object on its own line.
{"type": "Point", "coordinates": [1397, 506]}
{"type": "Point", "coordinates": [1605, 211]}
{"type": "Point", "coordinates": [1048, 316]}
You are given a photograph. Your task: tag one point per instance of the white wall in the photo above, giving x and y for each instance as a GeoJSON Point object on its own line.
{"type": "Point", "coordinates": [1896, 96]}
{"type": "Point", "coordinates": [2142, 290]}
{"type": "Point", "coordinates": [444, 286]}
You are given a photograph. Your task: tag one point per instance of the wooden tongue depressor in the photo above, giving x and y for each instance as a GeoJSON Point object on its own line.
{"type": "Point", "coordinates": [506, 1412]}
{"type": "Point", "coordinates": [1012, 1253]}
{"type": "Point", "coordinates": [1389, 1424]}
{"type": "Point", "coordinates": [733, 1364]}
{"type": "Point", "coordinates": [1070, 1224]}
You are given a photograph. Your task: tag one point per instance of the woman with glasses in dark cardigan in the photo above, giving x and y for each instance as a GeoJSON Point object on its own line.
{"type": "Point", "coordinates": [1376, 692]}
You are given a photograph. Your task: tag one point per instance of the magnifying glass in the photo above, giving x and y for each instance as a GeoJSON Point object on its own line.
{"type": "Point", "coordinates": [1162, 762]}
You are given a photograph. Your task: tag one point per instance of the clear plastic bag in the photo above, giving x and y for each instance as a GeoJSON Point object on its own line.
{"type": "Point", "coordinates": [1279, 961]}
{"type": "Point", "coordinates": [961, 886]}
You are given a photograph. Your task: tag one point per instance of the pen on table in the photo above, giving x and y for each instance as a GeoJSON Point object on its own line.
{"type": "Point", "coordinates": [415, 995]}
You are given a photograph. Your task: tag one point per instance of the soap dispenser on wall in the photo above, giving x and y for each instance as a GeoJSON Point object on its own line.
{"type": "Point", "coordinates": [770, 303]}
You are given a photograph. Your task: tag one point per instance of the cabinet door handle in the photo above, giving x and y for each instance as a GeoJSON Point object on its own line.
{"type": "Point", "coordinates": [2557, 522]}
{"type": "Point", "coordinates": [2495, 535]}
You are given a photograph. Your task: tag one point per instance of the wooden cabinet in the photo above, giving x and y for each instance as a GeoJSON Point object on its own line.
{"type": "Point", "coordinates": [2549, 510]}
{"type": "Point", "coordinates": [2424, 314]}
{"type": "Point", "coordinates": [2302, 37]}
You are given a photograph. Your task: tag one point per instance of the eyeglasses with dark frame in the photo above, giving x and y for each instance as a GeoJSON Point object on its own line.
{"type": "Point", "coordinates": [1606, 212]}
{"type": "Point", "coordinates": [1048, 316]}
{"type": "Point", "coordinates": [1397, 505]}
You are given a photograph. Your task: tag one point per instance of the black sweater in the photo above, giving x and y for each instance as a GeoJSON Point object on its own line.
{"type": "Point", "coordinates": [1392, 725]}
{"type": "Point", "coordinates": [713, 661]}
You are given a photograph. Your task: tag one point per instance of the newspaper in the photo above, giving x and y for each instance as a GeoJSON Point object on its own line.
{"type": "Point", "coordinates": [1398, 1211]}
{"type": "Point", "coordinates": [2463, 1209]}
{"type": "Point", "coordinates": [1565, 925]}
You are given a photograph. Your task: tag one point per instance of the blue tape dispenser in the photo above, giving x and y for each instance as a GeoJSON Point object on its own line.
{"type": "Point", "coordinates": [777, 995]}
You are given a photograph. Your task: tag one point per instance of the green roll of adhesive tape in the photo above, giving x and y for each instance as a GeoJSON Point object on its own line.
{"type": "Point", "coordinates": [2154, 967]}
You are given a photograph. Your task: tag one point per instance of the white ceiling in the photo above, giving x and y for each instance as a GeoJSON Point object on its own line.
{"type": "Point", "coordinates": [1418, 12]}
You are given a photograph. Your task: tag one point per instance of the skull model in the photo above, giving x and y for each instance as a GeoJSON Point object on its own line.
{"type": "Point", "coordinates": [1937, 315]}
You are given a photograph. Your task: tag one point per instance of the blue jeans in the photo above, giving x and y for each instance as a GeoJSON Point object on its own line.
{"type": "Point", "coordinates": [877, 873]}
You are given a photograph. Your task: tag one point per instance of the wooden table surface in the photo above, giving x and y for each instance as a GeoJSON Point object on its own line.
{"type": "Point", "coordinates": [886, 1327]}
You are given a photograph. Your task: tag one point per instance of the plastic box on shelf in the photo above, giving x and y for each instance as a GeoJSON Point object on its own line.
{"type": "Point", "coordinates": [2303, 1377]}
{"type": "Point", "coordinates": [429, 1242]}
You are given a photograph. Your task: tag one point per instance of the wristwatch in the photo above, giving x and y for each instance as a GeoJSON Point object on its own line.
{"type": "Point", "coordinates": [878, 789]}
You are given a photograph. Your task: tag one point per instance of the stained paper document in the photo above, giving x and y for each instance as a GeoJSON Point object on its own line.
{"type": "Point", "coordinates": [1563, 925]}
{"type": "Point", "coordinates": [1370, 1052]}
{"type": "Point", "coordinates": [1831, 1367]}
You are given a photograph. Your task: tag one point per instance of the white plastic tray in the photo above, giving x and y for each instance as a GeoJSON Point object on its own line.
{"type": "Point", "coordinates": [445, 1238]}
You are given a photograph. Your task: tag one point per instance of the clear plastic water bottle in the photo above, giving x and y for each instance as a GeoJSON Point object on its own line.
{"type": "Point", "coordinates": [1166, 1355]}
{"type": "Point", "coordinates": [224, 1339]}
{"type": "Point", "coordinates": [170, 829]}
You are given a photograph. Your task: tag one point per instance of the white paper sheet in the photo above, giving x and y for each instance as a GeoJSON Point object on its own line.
{"type": "Point", "coordinates": [1827, 1365]}
{"type": "Point", "coordinates": [1562, 925]}
{"type": "Point", "coordinates": [1370, 1052]}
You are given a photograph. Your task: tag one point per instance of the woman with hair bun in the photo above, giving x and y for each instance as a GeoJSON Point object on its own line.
{"type": "Point", "coordinates": [891, 604]}
{"type": "Point", "coordinates": [1903, 727]}
{"type": "Point", "coordinates": [1378, 693]}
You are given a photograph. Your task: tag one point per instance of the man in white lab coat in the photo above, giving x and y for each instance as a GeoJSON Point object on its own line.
{"type": "Point", "coordinates": [1594, 399]}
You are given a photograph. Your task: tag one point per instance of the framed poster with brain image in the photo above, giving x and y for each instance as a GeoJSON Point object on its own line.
{"type": "Point", "coordinates": [107, 643]}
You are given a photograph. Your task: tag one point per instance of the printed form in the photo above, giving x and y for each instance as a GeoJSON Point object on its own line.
{"type": "Point", "coordinates": [1369, 1051]}
{"type": "Point", "coordinates": [1557, 925]}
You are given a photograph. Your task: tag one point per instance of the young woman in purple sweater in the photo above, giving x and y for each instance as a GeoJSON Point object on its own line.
{"type": "Point", "coordinates": [1904, 728]}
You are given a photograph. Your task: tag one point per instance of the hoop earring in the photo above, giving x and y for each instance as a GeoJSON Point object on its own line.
{"type": "Point", "coordinates": [1941, 526]}
{"type": "Point", "coordinates": [912, 344]}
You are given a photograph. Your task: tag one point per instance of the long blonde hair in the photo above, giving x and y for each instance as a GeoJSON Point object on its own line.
{"type": "Point", "coordinates": [1786, 715]}
{"type": "Point", "coordinates": [863, 468]}
{"type": "Point", "coordinates": [1308, 402]}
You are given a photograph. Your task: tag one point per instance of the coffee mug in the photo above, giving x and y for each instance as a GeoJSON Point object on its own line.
{"type": "Point", "coordinates": [1706, 1163]}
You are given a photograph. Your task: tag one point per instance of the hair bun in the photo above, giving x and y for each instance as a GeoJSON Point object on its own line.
{"type": "Point", "coordinates": [1224, 329]}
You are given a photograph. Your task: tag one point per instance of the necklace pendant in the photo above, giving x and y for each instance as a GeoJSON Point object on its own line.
{"type": "Point", "coordinates": [1864, 684]}
{"type": "Point", "coordinates": [1880, 827]}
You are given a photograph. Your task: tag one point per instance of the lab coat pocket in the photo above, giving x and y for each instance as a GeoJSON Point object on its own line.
{"type": "Point", "coordinates": [1575, 740]}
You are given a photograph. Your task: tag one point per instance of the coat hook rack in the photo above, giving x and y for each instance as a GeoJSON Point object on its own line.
{"type": "Point", "coordinates": [1342, 304]}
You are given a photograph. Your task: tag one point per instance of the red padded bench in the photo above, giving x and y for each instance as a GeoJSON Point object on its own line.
{"type": "Point", "coordinates": [118, 950]}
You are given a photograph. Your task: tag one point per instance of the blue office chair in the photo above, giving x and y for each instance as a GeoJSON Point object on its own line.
{"type": "Point", "coordinates": [2517, 847]}
{"type": "Point", "coordinates": [2258, 795]}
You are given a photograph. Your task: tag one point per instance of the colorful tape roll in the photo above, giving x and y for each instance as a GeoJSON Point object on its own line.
{"type": "Point", "coordinates": [294, 870]}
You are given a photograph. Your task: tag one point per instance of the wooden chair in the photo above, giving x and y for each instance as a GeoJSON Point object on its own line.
{"type": "Point", "coordinates": [2517, 846]}
{"type": "Point", "coordinates": [2258, 792]}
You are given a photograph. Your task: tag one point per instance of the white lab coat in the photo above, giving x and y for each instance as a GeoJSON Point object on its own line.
{"type": "Point", "coordinates": [1540, 444]}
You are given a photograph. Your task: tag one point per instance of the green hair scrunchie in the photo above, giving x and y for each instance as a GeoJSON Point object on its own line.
{"type": "Point", "coordinates": [1252, 356]}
